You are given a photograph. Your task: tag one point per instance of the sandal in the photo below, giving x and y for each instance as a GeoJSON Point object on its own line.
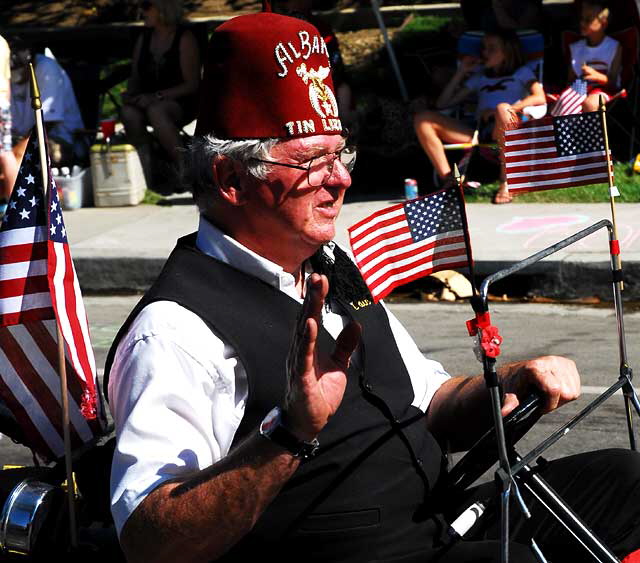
{"type": "Point", "coordinates": [501, 197]}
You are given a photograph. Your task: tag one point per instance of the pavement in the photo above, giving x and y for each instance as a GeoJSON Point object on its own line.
{"type": "Point", "coordinates": [121, 249]}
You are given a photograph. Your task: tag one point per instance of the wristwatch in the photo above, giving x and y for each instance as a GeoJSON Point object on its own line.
{"type": "Point", "coordinates": [273, 429]}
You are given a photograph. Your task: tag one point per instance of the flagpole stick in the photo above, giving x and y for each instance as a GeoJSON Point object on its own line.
{"type": "Point", "coordinates": [460, 181]}
{"type": "Point", "coordinates": [36, 104]}
{"type": "Point", "coordinates": [603, 114]}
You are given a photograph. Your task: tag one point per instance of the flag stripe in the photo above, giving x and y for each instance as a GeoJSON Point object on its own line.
{"type": "Point", "coordinates": [570, 99]}
{"type": "Point", "coordinates": [23, 269]}
{"type": "Point", "coordinates": [28, 316]}
{"type": "Point", "coordinates": [23, 286]}
{"type": "Point", "coordinates": [408, 260]}
{"type": "Point", "coordinates": [45, 335]}
{"type": "Point", "coordinates": [541, 138]}
{"type": "Point", "coordinates": [65, 298]}
{"type": "Point", "coordinates": [557, 173]}
{"type": "Point", "coordinates": [32, 380]}
{"type": "Point", "coordinates": [48, 372]}
{"type": "Point", "coordinates": [24, 253]}
{"type": "Point", "coordinates": [43, 429]}
{"type": "Point", "coordinates": [561, 183]}
{"type": "Point", "coordinates": [383, 218]}
{"type": "Point", "coordinates": [395, 250]}
{"type": "Point", "coordinates": [24, 235]}
{"type": "Point", "coordinates": [394, 280]}
{"type": "Point", "coordinates": [23, 418]}
{"type": "Point", "coordinates": [19, 303]}
{"type": "Point", "coordinates": [398, 232]}
{"type": "Point", "coordinates": [532, 166]}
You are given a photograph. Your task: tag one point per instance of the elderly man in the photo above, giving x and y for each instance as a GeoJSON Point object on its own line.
{"type": "Point", "coordinates": [263, 405]}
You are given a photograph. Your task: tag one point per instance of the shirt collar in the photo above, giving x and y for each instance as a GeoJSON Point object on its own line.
{"type": "Point", "coordinates": [213, 242]}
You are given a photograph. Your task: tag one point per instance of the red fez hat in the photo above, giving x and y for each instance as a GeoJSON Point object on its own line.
{"type": "Point", "coordinates": [267, 75]}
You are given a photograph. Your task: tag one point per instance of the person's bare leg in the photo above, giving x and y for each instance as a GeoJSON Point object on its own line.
{"type": "Point", "coordinates": [592, 102]}
{"type": "Point", "coordinates": [164, 118]}
{"type": "Point", "coordinates": [135, 125]}
{"type": "Point", "coordinates": [506, 118]}
{"type": "Point", "coordinates": [432, 129]}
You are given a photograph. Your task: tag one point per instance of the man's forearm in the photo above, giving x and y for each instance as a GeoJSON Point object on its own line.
{"type": "Point", "coordinates": [201, 516]}
{"type": "Point", "coordinates": [459, 412]}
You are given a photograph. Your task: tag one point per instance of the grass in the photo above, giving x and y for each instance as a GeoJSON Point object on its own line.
{"type": "Point", "coordinates": [151, 198]}
{"type": "Point", "coordinates": [420, 24]}
{"type": "Point", "coordinates": [627, 182]}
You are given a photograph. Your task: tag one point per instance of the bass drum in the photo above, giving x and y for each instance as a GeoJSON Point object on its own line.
{"type": "Point", "coordinates": [32, 514]}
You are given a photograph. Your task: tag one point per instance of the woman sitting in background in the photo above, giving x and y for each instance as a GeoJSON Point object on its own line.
{"type": "Point", "coordinates": [163, 87]}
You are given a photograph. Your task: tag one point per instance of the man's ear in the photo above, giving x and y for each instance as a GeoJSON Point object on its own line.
{"type": "Point", "coordinates": [229, 177]}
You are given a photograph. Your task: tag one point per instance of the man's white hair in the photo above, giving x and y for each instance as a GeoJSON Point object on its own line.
{"type": "Point", "coordinates": [197, 172]}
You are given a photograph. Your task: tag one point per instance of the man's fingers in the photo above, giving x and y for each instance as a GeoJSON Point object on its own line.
{"type": "Point", "coordinates": [346, 343]}
{"type": "Point", "coordinates": [307, 347]}
{"type": "Point", "coordinates": [510, 402]}
{"type": "Point", "coordinates": [317, 287]}
{"type": "Point", "coordinates": [558, 380]}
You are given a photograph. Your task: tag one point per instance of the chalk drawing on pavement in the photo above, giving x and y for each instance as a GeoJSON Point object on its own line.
{"type": "Point", "coordinates": [518, 225]}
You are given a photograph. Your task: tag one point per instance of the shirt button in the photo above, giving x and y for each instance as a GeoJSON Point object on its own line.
{"type": "Point", "coordinates": [419, 461]}
{"type": "Point", "coordinates": [368, 386]}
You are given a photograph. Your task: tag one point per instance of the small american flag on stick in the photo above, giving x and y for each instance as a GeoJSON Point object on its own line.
{"type": "Point", "coordinates": [570, 99]}
{"type": "Point", "coordinates": [555, 152]}
{"type": "Point", "coordinates": [410, 240]}
{"type": "Point", "coordinates": [38, 287]}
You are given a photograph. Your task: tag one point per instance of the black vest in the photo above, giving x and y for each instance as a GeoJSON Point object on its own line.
{"type": "Point", "coordinates": [364, 496]}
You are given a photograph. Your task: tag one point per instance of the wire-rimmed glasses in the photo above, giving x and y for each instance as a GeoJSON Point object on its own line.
{"type": "Point", "coordinates": [320, 168]}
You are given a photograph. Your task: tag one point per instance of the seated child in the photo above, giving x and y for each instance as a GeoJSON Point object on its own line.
{"type": "Point", "coordinates": [596, 58]}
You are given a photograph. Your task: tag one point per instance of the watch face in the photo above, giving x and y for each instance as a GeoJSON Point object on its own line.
{"type": "Point", "coordinates": [270, 421]}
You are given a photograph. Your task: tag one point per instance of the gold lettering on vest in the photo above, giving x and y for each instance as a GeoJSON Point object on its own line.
{"type": "Point", "coordinates": [360, 304]}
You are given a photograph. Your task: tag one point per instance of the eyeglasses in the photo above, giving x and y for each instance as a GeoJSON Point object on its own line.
{"type": "Point", "coordinates": [145, 5]}
{"type": "Point", "coordinates": [320, 168]}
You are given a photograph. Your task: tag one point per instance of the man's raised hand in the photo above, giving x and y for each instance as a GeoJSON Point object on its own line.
{"type": "Point", "coordinates": [316, 383]}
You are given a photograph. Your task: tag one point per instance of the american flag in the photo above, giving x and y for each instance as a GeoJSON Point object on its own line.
{"type": "Point", "coordinates": [570, 99]}
{"type": "Point", "coordinates": [410, 240]}
{"type": "Point", "coordinates": [38, 286]}
{"type": "Point", "coordinates": [555, 152]}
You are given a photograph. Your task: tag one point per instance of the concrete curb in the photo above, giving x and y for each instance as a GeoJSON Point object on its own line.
{"type": "Point", "coordinates": [559, 279]}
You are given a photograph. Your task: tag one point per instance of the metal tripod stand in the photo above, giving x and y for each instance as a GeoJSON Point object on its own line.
{"type": "Point", "coordinates": [515, 471]}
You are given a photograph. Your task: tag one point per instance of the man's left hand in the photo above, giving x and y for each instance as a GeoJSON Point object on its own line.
{"type": "Point", "coordinates": [554, 377]}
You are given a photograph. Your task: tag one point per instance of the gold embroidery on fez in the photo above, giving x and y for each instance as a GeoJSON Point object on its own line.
{"type": "Point", "coordinates": [320, 95]}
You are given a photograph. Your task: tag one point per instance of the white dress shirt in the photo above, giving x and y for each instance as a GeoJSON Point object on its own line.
{"type": "Point", "coordinates": [178, 392]}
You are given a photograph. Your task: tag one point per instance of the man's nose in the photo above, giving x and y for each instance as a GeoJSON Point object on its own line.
{"type": "Point", "coordinates": [340, 176]}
